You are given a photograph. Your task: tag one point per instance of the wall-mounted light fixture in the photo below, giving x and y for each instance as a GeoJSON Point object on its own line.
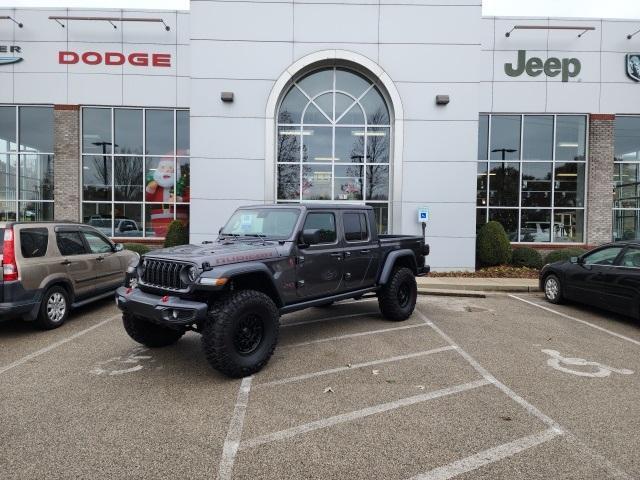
{"type": "Point", "coordinates": [226, 96]}
{"type": "Point", "coordinates": [58, 19]}
{"type": "Point", "coordinates": [583, 30]}
{"type": "Point", "coordinates": [631, 35]}
{"type": "Point", "coordinates": [442, 99]}
{"type": "Point", "coordinates": [7, 17]}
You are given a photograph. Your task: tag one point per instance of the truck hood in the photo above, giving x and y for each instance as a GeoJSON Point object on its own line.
{"type": "Point", "coordinates": [221, 253]}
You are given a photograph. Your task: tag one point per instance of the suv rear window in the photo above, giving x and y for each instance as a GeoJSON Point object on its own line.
{"type": "Point", "coordinates": [34, 242]}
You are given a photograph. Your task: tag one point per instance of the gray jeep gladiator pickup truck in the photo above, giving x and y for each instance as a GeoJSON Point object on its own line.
{"type": "Point", "coordinates": [268, 260]}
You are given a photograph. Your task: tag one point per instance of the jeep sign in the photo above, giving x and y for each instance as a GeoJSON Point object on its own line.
{"type": "Point", "coordinates": [552, 67]}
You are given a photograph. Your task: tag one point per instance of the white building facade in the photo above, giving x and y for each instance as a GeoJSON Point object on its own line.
{"type": "Point", "coordinates": [130, 119]}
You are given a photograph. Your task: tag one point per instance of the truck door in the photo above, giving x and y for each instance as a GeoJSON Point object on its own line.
{"type": "Point", "coordinates": [359, 253]}
{"type": "Point", "coordinates": [319, 266]}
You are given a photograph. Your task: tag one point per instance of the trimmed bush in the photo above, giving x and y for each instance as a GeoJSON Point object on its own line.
{"type": "Point", "coordinates": [177, 234]}
{"type": "Point", "coordinates": [526, 257]}
{"type": "Point", "coordinates": [492, 245]}
{"type": "Point", "coordinates": [139, 248]}
{"type": "Point", "coordinates": [563, 254]}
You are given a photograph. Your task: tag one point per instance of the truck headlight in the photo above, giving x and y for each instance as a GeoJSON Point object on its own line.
{"type": "Point", "coordinates": [190, 274]}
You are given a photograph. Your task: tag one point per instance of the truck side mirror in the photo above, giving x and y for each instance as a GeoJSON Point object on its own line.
{"type": "Point", "coordinates": [309, 237]}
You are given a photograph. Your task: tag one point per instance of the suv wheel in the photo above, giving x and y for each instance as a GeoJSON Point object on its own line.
{"type": "Point", "coordinates": [241, 333]}
{"type": "Point", "coordinates": [552, 289]}
{"type": "Point", "coordinates": [54, 308]}
{"type": "Point", "coordinates": [397, 298]}
{"type": "Point", "coordinates": [150, 334]}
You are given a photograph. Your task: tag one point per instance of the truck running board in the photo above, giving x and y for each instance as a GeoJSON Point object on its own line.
{"type": "Point", "coordinates": [321, 301]}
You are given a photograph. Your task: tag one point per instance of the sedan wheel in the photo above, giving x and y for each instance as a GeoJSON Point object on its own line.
{"type": "Point", "coordinates": [552, 289]}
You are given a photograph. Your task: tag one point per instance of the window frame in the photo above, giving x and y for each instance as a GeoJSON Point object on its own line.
{"type": "Point", "coordinates": [360, 216]}
{"type": "Point", "coordinates": [623, 212]}
{"type": "Point", "coordinates": [18, 154]}
{"type": "Point", "coordinates": [552, 209]}
{"type": "Point", "coordinates": [335, 223]}
{"type": "Point", "coordinates": [111, 201]}
{"type": "Point", "coordinates": [58, 232]}
{"type": "Point", "coordinates": [333, 124]}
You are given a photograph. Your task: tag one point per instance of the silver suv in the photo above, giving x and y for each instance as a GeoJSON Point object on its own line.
{"type": "Point", "coordinates": [50, 268]}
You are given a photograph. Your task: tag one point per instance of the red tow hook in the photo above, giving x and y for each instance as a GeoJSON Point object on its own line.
{"type": "Point", "coordinates": [165, 299]}
{"type": "Point", "coordinates": [128, 290]}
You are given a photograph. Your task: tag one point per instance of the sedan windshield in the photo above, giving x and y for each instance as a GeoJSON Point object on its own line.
{"type": "Point", "coordinates": [275, 223]}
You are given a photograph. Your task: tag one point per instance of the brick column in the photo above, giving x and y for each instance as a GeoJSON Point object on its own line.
{"type": "Point", "coordinates": [600, 179]}
{"type": "Point", "coordinates": [66, 174]}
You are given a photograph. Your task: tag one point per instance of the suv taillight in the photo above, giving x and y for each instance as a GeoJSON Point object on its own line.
{"type": "Point", "coordinates": [9, 266]}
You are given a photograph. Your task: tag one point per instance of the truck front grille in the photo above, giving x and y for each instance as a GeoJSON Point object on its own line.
{"type": "Point", "coordinates": [163, 274]}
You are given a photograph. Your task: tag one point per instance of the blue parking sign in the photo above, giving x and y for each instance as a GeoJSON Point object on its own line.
{"type": "Point", "coordinates": [423, 214]}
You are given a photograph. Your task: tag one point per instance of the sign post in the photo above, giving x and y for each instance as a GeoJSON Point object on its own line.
{"type": "Point", "coordinates": [423, 218]}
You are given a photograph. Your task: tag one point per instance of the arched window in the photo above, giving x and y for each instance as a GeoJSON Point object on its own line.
{"type": "Point", "coordinates": [333, 141]}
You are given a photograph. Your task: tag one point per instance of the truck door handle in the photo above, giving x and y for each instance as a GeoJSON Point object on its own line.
{"type": "Point", "coordinates": [347, 254]}
{"type": "Point", "coordinates": [337, 255]}
{"type": "Point", "coordinates": [365, 251]}
{"type": "Point", "coordinates": [65, 263]}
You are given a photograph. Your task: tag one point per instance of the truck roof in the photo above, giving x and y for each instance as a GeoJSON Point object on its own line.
{"type": "Point", "coordinates": [312, 206]}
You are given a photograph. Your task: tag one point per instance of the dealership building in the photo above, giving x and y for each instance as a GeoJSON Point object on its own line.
{"type": "Point", "coordinates": [127, 120]}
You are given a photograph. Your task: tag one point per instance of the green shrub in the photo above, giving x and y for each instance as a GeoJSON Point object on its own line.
{"type": "Point", "coordinates": [526, 257]}
{"type": "Point", "coordinates": [492, 245]}
{"type": "Point", "coordinates": [139, 248]}
{"type": "Point", "coordinates": [177, 234]}
{"type": "Point", "coordinates": [563, 254]}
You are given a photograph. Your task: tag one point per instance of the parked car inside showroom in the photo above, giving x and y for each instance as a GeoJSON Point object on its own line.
{"type": "Point", "coordinates": [607, 277]}
{"type": "Point", "coordinates": [50, 268]}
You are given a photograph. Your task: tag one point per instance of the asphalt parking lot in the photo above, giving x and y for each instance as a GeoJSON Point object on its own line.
{"type": "Point", "coordinates": [502, 387]}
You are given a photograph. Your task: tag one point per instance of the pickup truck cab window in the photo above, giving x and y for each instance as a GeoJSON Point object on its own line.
{"type": "Point", "coordinates": [355, 227]}
{"type": "Point", "coordinates": [325, 222]}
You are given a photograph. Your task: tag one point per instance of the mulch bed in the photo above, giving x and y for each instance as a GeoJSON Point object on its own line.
{"type": "Point", "coordinates": [502, 271]}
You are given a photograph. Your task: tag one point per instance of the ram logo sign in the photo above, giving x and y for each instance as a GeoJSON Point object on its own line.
{"type": "Point", "coordinates": [633, 66]}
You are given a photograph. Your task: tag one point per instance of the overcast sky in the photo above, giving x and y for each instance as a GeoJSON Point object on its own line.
{"type": "Point", "coordinates": [546, 8]}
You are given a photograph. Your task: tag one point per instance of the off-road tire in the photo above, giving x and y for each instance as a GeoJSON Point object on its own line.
{"type": "Point", "coordinates": [50, 315]}
{"type": "Point", "coordinates": [244, 319]}
{"type": "Point", "coordinates": [552, 289]}
{"type": "Point", "coordinates": [397, 298]}
{"type": "Point", "coordinates": [150, 334]}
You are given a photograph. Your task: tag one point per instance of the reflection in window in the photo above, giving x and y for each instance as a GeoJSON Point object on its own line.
{"type": "Point", "coordinates": [26, 175]}
{"type": "Point", "coordinates": [626, 178]}
{"type": "Point", "coordinates": [333, 141]}
{"type": "Point", "coordinates": [128, 193]}
{"type": "Point", "coordinates": [526, 190]}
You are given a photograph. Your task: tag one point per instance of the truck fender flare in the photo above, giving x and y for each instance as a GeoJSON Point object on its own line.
{"type": "Point", "coordinates": [232, 271]}
{"type": "Point", "coordinates": [391, 260]}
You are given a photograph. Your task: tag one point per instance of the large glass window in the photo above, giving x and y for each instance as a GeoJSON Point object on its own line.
{"type": "Point", "coordinates": [531, 176]}
{"type": "Point", "coordinates": [135, 170]}
{"type": "Point", "coordinates": [333, 142]}
{"type": "Point", "coordinates": [626, 178]}
{"type": "Point", "coordinates": [26, 163]}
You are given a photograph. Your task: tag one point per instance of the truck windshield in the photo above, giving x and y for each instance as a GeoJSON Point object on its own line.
{"type": "Point", "coordinates": [277, 223]}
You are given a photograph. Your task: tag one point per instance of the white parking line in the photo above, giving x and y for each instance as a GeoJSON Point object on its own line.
{"type": "Point", "coordinates": [613, 469]}
{"type": "Point", "coordinates": [327, 319]}
{"type": "Point", "coordinates": [358, 414]}
{"type": "Point", "coordinates": [486, 457]}
{"type": "Point", "coordinates": [351, 335]}
{"type": "Point", "coordinates": [54, 345]}
{"type": "Point", "coordinates": [234, 434]}
{"type": "Point", "coordinates": [354, 366]}
{"type": "Point", "coordinates": [592, 325]}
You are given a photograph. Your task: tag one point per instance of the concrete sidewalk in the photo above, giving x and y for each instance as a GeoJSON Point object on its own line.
{"type": "Point", "coordinates": [474, 287]}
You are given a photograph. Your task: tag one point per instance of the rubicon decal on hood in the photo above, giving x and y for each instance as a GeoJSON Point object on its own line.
{"type": "Point", "coordinates": [9, 60]}
{"type": "Point", "coordinates": [136, 59]}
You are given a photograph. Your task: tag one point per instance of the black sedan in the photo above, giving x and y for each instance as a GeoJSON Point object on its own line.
{"type": "Point", "coordinates": [607, 277]}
